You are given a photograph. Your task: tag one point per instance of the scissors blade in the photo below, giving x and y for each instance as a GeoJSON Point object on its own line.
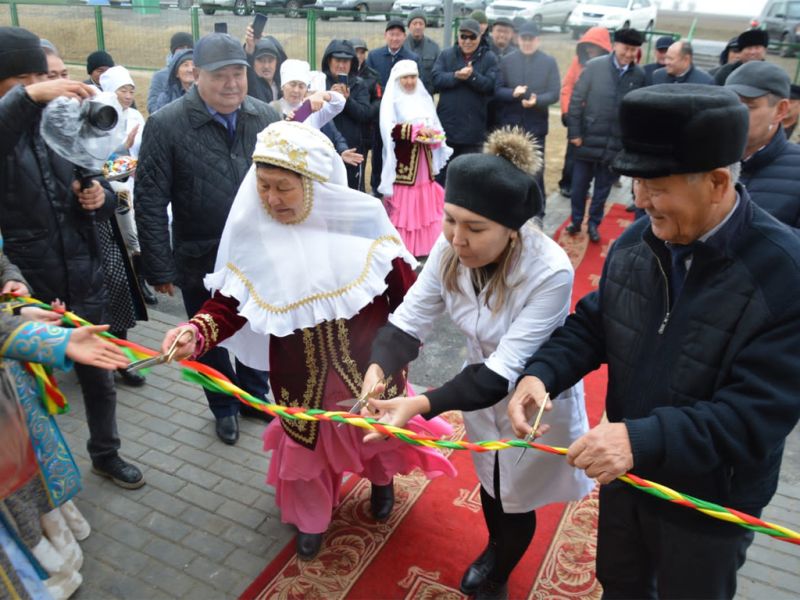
{"type": "Point", "coordinates": [532, 435]}
{"type": "Point", "coordinates": [146, 363]}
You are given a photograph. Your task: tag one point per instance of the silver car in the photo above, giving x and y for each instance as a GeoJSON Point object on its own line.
{"type": "Point", "coordinates": [434, 9]}
{"type": "Point", "coordinates": [328, 8]}
{"type": "Point", "coordinates": [546, 13]}
{"type": "Point", "coordinates": [239, 7]}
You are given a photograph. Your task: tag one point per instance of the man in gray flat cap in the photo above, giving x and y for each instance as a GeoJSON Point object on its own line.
{"type": "Point", "coordinates": [195, 153]}
{"type": "Point", "coordinates": [770, 164]}
{"type": "Point", "coordinates": [424, 47]}
{"type": "Point", "coordinates": [696, 316]}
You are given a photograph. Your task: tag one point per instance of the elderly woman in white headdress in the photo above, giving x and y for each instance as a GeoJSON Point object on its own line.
{"type": "Point", "coordinates": [307, 271]}
{"type": "Point", "coordinates": [414, 151]}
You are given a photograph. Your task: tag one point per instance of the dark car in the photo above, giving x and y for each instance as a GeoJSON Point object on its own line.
{"type": "Point", "coordinates": [434, 10]}
{"type": "Point", "coordinates": [781, 19]}
{"type": "Point", "coordinates": [292, 8]}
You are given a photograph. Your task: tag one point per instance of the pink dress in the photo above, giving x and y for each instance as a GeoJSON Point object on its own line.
{"type": "Point", "coordinates": [416, 206]}
{"type": "Point", "coordinates": [307, 482]}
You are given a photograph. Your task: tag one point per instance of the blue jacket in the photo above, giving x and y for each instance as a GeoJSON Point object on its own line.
{"type": "Point", "coordinates": [693, 75]}
{"type": "Point", "coordinates": [772, 178]}
{"type": "Point", "coordinates": [463, 105]}
{"type": "Point", "coordinates": [539, 72]}
{"type": "Point", "coordinates": [707, 388]}
{"type": "Point", "coordinates": [382, 61]}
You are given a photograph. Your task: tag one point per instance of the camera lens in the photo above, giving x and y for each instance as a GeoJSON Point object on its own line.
{"type": "Point", "coordinates": [101, 116]}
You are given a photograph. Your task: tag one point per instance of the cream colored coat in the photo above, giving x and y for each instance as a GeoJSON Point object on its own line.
{"type": "Point", "coordinates": [504, 341]}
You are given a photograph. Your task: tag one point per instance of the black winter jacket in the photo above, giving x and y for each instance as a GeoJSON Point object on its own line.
{"type": "Point", "coordinates": [539, 72]}
{"type": "Point", "coordinates": [463, 105]}
{"type": "Point", "coordinates": [357, 110]}
{"type": "Point", "coordinates": [694, 75]}
{"type": "Point", "coordinates": [708, 388]}
{"type": "Point", "coordinates": [772, 178]}
{"type": "Point", "coordinates": [594, 108]}
{"type": "Point", "coordinates": [186, 160]}
{"type": "Point", "coordinates": [428, 51]}
{"type": "Point", "coordinates": [47, 234]}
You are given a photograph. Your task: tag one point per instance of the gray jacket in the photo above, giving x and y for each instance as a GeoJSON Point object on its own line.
{"type": "Point", "coordinates": [428, 52]}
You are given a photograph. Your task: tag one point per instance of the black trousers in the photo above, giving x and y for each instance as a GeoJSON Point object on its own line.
{"type": "Point", "coordinates": [647, 548]}
{"type": "Point", "coordinates": [511, 533]}
{"type": "Point", "coordinates": [100, 401]}
{"type": "Point", "coordinates": [254, 381]}
{"type": "Point", "coordinates": [566, 171]}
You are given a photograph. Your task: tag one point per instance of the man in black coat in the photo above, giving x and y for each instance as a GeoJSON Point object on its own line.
{"type": "Point", "coordinates": [465, 77]}
{"type": "Point", "coordinates": [752, 45]}
{"type": "Point", "coordinates": [679, 67]}
{"type": "Point", "coordinates": [662, 45]}
{"type": "Point", "coordinates": [370, 135]}
{"type": "Point", "coordinates": [340, 63]}
{"type": "Point", "coordinates": [697, 318]}
{"type": "Point", "coordinates": [265, 58]}
{"type": "Point", "coordinates": [527, 85]}
{"type": "Point", "coordinates": [593, 125]}
{"type": "Point", "coordinates": [49, 227]}
{"type": "Point", "coordinates": [195, 153]}
{"type": "Point", "coordinates": [770, 165]}
{"type": "Point", "coordinates": [422, 46]}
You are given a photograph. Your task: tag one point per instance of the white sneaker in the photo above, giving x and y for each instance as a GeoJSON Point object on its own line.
{"type": "Point", "coordinates": [77, 523]}
{"type": "Point", "coordinates": [58, 532]}
{"type": "Point", "coordinates": [51, 559]}
{"type": "Point", "coordinates": [62, 586]}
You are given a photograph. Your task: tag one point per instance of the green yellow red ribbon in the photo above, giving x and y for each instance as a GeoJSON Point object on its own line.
{"type": "Point", "coordinates": [215, 381]}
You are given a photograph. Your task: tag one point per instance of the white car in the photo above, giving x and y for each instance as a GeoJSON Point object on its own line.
{"type": "Point", "coordinates": [613, 14]}
{"type": "Point", "coordinates": [546, 13]}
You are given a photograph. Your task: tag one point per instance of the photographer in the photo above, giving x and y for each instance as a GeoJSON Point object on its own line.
{"type": "Point", "coordinates": [49, 226]}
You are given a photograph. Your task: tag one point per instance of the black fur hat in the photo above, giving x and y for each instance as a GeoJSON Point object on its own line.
{"type": "Point", "coordinates": [670, 129]}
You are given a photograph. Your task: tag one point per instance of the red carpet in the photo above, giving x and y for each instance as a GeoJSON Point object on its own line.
{"type": "Point", "coordinates": [437, 528]}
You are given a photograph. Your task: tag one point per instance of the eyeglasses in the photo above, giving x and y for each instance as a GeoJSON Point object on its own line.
{"type": "Point", "coordinates": [468, 36]}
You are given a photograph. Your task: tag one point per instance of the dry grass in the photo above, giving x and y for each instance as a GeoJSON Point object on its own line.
{"type": "Point", "coordinates": [140, 42]}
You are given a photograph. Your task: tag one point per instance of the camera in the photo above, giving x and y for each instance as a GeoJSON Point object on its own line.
{"type": "Point", "coordinates": [99, 114]}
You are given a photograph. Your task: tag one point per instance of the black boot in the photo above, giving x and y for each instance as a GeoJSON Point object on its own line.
{"type": "Point", "coordinates": [491, 590]}
{"type": "Point", "coordinates": [308, 545]}
{"type": "Point", "coordinates": [131, 378]}
{"type": "Point", "coordinates": [476, 573]}
{"type": "Point", "coordinates": [148, 294]}
{"type": "Point", "coordinates": [381, 501]}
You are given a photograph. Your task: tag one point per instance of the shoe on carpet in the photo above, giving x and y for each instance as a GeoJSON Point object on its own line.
{"type": "Point", "coordinates": [308, 545]}
{"type": "Point", "coordinates": [491, 590]}
{"type": "Point", "coordinates": [476, 573]}
{"type": "Point", "coordinates": [594, 235]}
{"type": "Point", "coordinates": [381, 501]}
{"type": "Point", "coordinates": [121, 472]}
{"type": "Point", "coordinates": [573, 229]}
{"type": "Point", "coordinates": [227, 429]}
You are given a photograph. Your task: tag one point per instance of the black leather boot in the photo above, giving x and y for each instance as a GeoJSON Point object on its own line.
{"type": "Point", "coordinates": [476, 573]}
{"type": "Point", "coordinates": [381, 501]}
{"type": "Point", "coordinates": [491, 590]}
{"type": "Point", "coordinates": [308, 545]}
{"type": "Point", "coordinates": [148, 294]}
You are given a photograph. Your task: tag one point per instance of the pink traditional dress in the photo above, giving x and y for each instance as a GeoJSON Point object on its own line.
{"type": "Point", "coordinates": [413, 199]}
{"type": "Point", "coordinates": [306, 299]}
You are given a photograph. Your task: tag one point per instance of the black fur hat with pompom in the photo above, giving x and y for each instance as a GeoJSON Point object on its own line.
{"type": "Point", "coordinates": [498, 184]}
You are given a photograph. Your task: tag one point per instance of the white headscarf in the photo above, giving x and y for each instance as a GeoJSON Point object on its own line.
{"type": "Point", "coordinates": [398, 106]}
{"type": "Point", "coordinates": [328, 265]}
{"type": "Point", "coordinates": [114, 78]}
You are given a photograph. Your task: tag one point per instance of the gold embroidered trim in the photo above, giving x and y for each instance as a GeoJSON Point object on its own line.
{"type": "Point", "coordinates": [271, 160]}
{"type": "Point", "coordinates": [406, 174]}
{"type": "Point", "coordinates": [318, 296]}
{"type": "Point", "coordinates": [274, 149]}
{"type": "Point", "coordinates": [208, 325]}
{"type": "Point", "coordinates": [305, 432]}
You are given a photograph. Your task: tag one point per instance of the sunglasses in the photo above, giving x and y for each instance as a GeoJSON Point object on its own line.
{"type": "Point", "coordinates": [468, 36]}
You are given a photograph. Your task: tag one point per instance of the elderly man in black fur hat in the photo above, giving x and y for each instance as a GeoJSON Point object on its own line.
{"type": "Point", "coordinates": [697, 317]}
{"type": "Point", "coordinates": [593, 125]}
{"type": "Point", "coordinates": [752, 45]}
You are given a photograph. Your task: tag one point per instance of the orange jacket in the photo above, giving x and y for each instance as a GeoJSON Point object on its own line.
{"type": "Point", "coordinates": [599, 37]}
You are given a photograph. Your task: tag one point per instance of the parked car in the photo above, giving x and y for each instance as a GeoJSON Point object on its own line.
{"type": "Point", "coordinates": [434, 9]}
{"type": "Point", "coordinates": [292, 8]}
{"type": "Point", "coordinates": [328, 8]}
{"type": "Point", "coordinates": [547, 13]}
{"type": "Point", "coordinates": [239, 7]}
{"type": "Point", "coordinates": [613, 14]}
{"type": "Point", "coordinates": [781, 19]}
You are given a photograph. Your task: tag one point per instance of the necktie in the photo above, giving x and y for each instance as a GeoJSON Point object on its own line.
{"type": "Point", "coordinates": [230, 125]}
{"type": "Point", "coordinates": [679, 254]}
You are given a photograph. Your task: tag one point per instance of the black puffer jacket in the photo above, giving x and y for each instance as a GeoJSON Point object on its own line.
{"type": "Point", "coordinates": [708, 388]}
{"type": "Point", "coordinates": [47, 234]}
{"type": "Point", "coordinates": [463, 105]}
{"type": "Point", "coordinates": [256, 86]}
{"type": "Point", "coordinates": [772, 178]}
{"type": "Point", "coordinates": [594, 108]}
{"type": "Point", "coordinates": [186, 160]}
{"type": "Point", "coordinates": [357, 110]}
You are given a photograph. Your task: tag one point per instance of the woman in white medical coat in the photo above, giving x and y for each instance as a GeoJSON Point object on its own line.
{"type": "Point", "coordinates": [507, 286]}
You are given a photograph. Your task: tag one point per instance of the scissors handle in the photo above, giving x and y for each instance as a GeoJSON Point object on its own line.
{"type": "Point", "coordinates": [532, 434]}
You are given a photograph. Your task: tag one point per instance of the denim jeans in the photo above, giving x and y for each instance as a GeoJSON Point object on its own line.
{"type": "Point", "coordinates": [583, 171]}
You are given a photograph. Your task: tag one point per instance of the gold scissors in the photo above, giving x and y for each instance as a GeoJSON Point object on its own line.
{"type": "Point", "coordinates": [158, 359]}
{"type": "Point", "coordinates": [532, 435]}
{"type": "Point", "coordinates": [362, 401]}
